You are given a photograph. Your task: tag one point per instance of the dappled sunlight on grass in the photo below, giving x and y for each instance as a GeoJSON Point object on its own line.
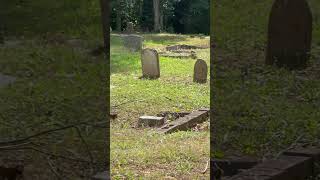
{"type": "Point", "coordinates": [143, 153]}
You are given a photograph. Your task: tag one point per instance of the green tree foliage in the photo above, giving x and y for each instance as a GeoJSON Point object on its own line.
{"type": "Point", "coordinates": [180, 16]}
{"type": "Point", "coordinates": [192, 16]}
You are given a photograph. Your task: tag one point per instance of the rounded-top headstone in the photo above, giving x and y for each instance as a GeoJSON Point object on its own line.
{"type": "Point", "coordinates": [200, 71]}
{"type": "Point", "coordinates": [150, 64]}
{"type": "Point", "coordinates": [289, 34]}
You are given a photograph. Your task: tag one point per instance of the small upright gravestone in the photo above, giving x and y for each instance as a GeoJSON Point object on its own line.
{"type": "Point", "coordinates": [150, 64]}
{"type": "Point", "coordinates": [200, 71]}
{"type": "Point", "coordinates": [133, 42]}
{"type": "Point", "coordinates": [289, 34]}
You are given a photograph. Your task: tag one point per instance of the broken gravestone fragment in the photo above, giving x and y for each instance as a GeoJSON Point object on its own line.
{"type": "Point", "coordinates": [182, 46]}
{"type": "Point", "coordinates": [200, 71]}
{"type": "Point", "coordinates": [150, 64]}
{"type": "Point", "coordinates": [289, 34]}
{"type": "Point", "coordinates": [150, 121]}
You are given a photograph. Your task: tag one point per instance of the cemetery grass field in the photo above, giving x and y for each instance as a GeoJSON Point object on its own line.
{"type": "Point", "coordinates": [260, 111]}
{"type": "Point", "coordinates": [56, 86]}
{"type": "Point", "coordinates": [138, 153]}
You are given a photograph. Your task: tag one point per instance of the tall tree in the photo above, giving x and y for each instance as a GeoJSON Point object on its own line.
{"type": "Point", "coordinates": [118, 21]}
{"type": "Point", "coordinates": [156, 12]}
{"type": "Point", "coordinates": [105, 9]}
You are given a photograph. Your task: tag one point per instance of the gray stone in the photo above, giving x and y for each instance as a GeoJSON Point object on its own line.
{"type": "Point", "coordinates": [5, 80]}
{"type": "Point", "coordinates": [185, 123]}
{"type": "Point", "coordinates": [150, 64]}
{"type": "Point", "coordinates": [133, 42]}
{"type": "Point", "coordinates": [289, 34]}
{"type": "Point", "coordinates": [200, 71]}
{"type": "Point", "coordinates": [150, 121]}
{"type": "Point", "coordinates": [102, 176]}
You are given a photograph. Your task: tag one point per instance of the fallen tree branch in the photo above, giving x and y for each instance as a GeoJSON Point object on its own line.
{"type": "Point", "coordinates": [25, 139]}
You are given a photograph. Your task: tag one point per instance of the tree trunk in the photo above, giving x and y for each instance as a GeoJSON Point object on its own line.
{"type": "Point", "coordinates": [156, 13]}
{"type": "Point", "coordinates": [118, 18]}
{"type": "Point", "coordinates": [105, 10]}
{"type": "Point", "coordinates": [104, 5]}
{"type": "Point", "coordinates": [1, 31]}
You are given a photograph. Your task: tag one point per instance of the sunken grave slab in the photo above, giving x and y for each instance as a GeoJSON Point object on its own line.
{"type": "Point", "coordinates": [312, 152]}
{"type": "Point", "coordinates": [284, 168]}
{"type": "Point", "coordinates": [185, 123]}
{"type": "Point", "coordinates": [150, 121]}
{"type": "Point", "coordinates": [233, 166]}
{"type": "Point", "coordinates": [182, 46]}
{"type": "Point", "coordinates": [289, 34]}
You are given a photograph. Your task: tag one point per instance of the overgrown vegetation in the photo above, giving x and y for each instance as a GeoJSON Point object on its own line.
{"type": "Point", "coordinates": [60, 89]}
{"type": "Point", "coordinates": [259, 110]}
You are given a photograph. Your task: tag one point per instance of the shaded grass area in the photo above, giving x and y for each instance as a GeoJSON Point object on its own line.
{"type": "Point", "coordinates": [55, 87]}
{"type": "Point", "coordinates": [260, 110]}
{"type": "Point", "coordinates": [31, 18]}
{"type": "Point", "coordinates": [142, 153]}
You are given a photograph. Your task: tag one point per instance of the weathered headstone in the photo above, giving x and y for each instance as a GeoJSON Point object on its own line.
{"type": "Point", "coordinates": [130, 27]}
{"type": "Point", "coordinates": [133, 42]}
{"type": "Point", "coordinates": [289, 34]}
{"type": "Point", "coordinates": [200, 71]}
{"type": "Point", "coordinates": [150, 64]}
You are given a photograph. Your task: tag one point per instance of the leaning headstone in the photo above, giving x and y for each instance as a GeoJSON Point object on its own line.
{"type": "Point", "coordinates": [150, 64]}
{"type": "Point", "coordinates": [289, 34]}
{"type": "Point", "coordinates": [200, 71]}
{"type": "Point", "coordinates": [133, 42]}
{"type": "Point", "coordinates": [6, 80]}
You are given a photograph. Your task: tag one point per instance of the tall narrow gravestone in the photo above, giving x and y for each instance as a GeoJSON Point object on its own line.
{"type": "Point", "coordinates": [200, 71]}
{"type": "Point", "coordinates": [289, 34]}
{"type": "Point", "coordinates": [150, 64]}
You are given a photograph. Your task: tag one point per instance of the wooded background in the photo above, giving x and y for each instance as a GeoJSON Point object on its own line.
{"type": "Point", "coordinates": [82, 17]}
